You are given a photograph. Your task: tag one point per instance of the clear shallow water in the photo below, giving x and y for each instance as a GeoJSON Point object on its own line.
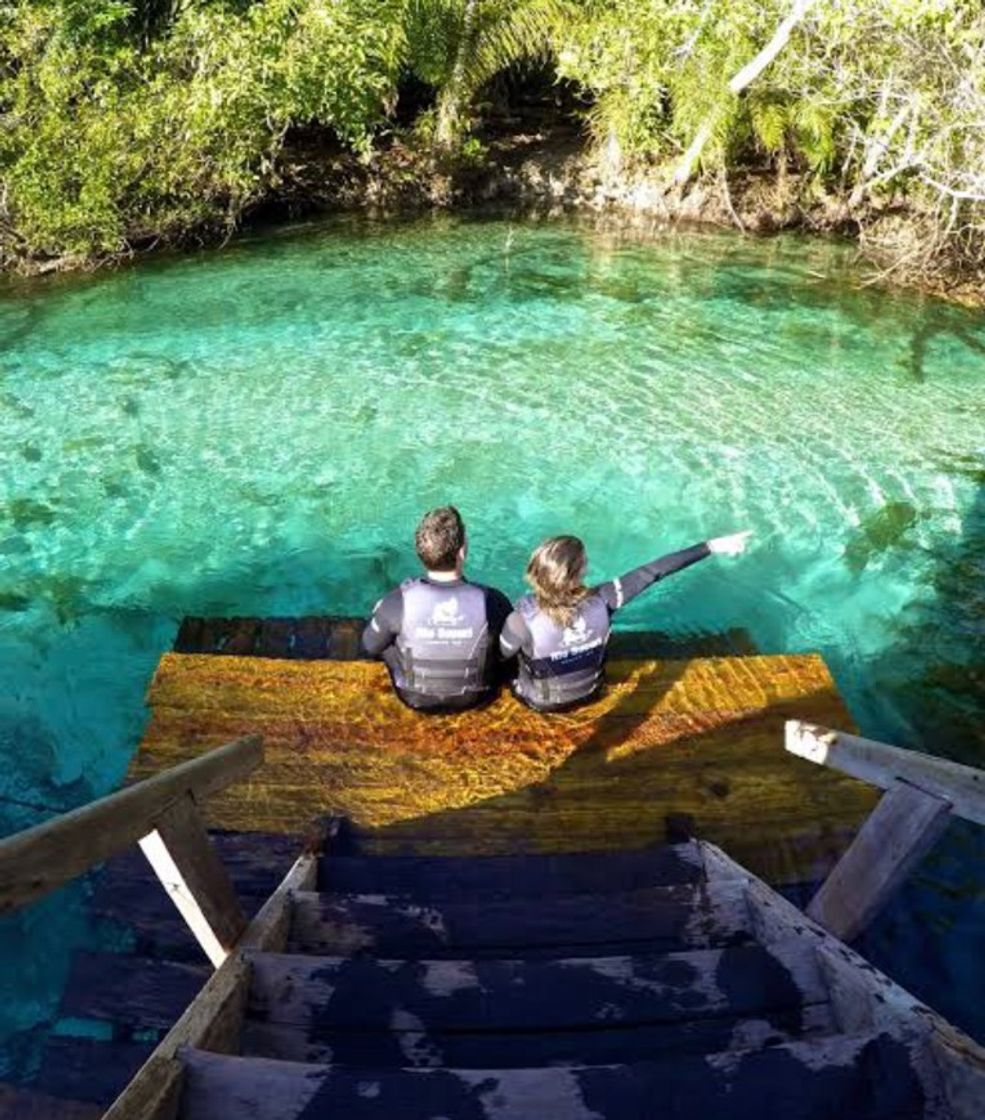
{"type": "Point", "coordinates": [256, 432]}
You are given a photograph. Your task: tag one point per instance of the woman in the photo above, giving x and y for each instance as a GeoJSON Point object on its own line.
{"type": "Point", "coordinates": [561, 631]}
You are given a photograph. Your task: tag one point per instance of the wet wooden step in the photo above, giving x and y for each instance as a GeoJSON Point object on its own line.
{"type": "Point", "coordinates": [866, 1077]}
{"type": "Point", "coordinates": [608, 1042]}
{"type": "Point", "coordinates": [618, 923]}
{"type": "Point", "coordinates": [325, 994]}
{"type": "Point", "coordinates": [429, 879]}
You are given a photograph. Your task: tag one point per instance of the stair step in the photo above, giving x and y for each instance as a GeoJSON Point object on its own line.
{"type": "Point", "coordinates": [432, 878]}
{"type": "Point", "coordinates": [604, 1044]}
{"type": "Point", "coordinates": [325, 994]}
{"type": "Point", "coordinates": [866, 1077]}
{"type": "Point", "coordinates": [616, 923]}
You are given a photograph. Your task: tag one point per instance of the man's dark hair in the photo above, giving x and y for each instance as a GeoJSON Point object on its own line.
{"type": "Point", "coordinates": [439, 538]}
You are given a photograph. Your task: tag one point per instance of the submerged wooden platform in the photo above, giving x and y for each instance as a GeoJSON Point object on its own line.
{"type": "Point", "coordinates": [697, 740]}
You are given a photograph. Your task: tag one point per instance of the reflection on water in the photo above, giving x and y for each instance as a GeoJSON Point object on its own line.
{"type": "Point", "coordinates": [256, 431]}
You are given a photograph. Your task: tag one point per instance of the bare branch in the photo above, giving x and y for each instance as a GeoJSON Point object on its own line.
{"type": "Point", "coordinates": [749, 73]}
{"type": "Point", "coordinates": [953, 192]}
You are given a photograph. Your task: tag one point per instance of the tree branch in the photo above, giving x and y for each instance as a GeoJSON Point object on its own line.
{"type": "Point", "coordinates": [749, 73]}
{"type": "Point", "coordinates": [953, 192]}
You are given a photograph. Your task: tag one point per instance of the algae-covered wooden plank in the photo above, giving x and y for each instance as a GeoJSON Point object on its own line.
{"type": "Point", "coordinates": [702, 738]}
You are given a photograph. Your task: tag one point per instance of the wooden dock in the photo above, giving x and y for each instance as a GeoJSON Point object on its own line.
{"type": "Point", "coordinates": [698, 741]}
{"type": "Point", "coordinates": [497, 895]}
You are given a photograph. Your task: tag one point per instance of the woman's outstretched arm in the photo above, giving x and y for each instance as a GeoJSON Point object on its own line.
{"type": "Point", "coordinates": [618, 592]}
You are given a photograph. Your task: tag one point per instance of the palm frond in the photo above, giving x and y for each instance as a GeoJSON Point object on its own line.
{"type": "Point", "coordinates": [769, 121]}
{"type": "Point", "coordinates": [433, 31]}
{"type": "Point", "coordinates": [815, 129]}
{"type": "Point", "coordinates": [511, 33]}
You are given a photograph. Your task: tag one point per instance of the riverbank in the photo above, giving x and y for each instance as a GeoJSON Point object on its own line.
{"type": "Point", "coordinates": [554, 172]}
{"type": "Point", "coordinates": [551, 172]}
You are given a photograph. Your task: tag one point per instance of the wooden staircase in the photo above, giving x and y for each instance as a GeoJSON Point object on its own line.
{"type": "Point", "coordinates": [663, 982]}
{"type": "Point", "coordinates": [666, 983]}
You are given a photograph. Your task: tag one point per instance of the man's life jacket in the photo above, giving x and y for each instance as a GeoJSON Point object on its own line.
{"type": "Point", "coordinates": [443, 648]}
{"type": "Point", "coordinates": [566, 663]}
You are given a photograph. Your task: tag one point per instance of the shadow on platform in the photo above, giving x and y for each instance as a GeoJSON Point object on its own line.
{"type": "Point", "coordinates": [701, 738]}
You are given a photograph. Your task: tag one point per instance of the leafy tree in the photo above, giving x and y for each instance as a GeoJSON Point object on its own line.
{"type": "Point", "coordinates": [459, 45]}
{"type": "Point", "coordinates": [876, 100]}
{"type": "Point", "coordinates": [126, 122]}
{"type": "Point", "coordinates": [107, 144]}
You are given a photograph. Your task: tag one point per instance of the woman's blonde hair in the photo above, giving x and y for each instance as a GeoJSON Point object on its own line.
{"type": "Point", "coordinates": [556, 572]}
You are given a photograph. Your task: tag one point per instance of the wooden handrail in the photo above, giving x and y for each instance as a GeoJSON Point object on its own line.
{"type": "Point", "coordinates": [922, 794]}
{"type": "Point", "coordinates": [41, 859]}
{"type": "Point", "coordinates": [214, 1020]}
{"type": "Point", "coordinates": [882, 765]}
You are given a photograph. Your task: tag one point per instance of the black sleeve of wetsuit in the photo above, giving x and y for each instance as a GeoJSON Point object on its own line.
{"type": "Point", "coordinates": [513, 635]}
{"type": "Point", "coordinates": [498, 609]}
{"type": "Point", "coordinates": [385, 623]}
{"type": "Point", "coordinates": [618, 592]}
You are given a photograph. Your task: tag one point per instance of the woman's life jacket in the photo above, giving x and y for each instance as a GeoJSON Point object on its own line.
{"type": "Point", "coordinates": [440, 641]}
{"type": "Point", "coordinates": [560, 666]}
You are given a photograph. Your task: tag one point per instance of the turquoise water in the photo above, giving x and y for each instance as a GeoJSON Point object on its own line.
{"type": "Point", "coordinates": [256, 432]}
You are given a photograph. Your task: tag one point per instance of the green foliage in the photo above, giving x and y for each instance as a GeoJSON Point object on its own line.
{"type": "Point", "coordinates": [107, 142]}
{"type": "Point", "coordinates": [458, 45]}
{"type": "Point", "coordinates": [132, 121]}
{"type": "Point", "coordinates": [434, 30]}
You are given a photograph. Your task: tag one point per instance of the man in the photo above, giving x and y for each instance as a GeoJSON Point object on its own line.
{"type": "Point", "coordinates": [439, 635]}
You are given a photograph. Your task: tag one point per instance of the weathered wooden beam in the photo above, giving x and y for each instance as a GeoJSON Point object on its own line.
{"type": "Point", "coordinates": [40, 859]}
{"type": "Point", "coordinates": [881, 764]}
{"type": "Point", "coordinates": [962, 1069]}
{"type": "Point", "coordinates": [950, 1064]}
{"type": "Point", "coordinates": [156, 1097]}
{"type": "Point", "coordinates": [195, 879]}
{"type": "Point", "coordinates": [903, 828]}
{"type": "Point", "coordinates": [214, 1020]}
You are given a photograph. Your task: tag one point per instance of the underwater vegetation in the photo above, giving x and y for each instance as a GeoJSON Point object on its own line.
{"type": "Point", "coordinates": [881, 530]}
{"type": "Point", "coordinates": [27, 513]}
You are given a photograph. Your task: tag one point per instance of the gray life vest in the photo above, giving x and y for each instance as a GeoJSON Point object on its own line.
{"type": "Point", "coordinates": [443, 644]}
{"type": "Point", "coordinates": [565, 663]}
